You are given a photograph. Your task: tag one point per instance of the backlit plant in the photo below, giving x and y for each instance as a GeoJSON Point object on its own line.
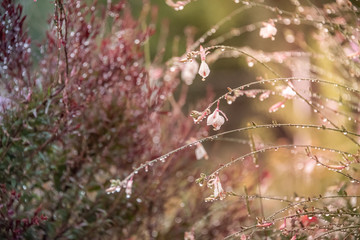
{"type": "Point", "coordinates": [99, 104]}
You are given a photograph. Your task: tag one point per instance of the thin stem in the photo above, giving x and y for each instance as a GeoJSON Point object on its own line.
{"type": "Point", "coordinates": [213, 137]}
{"type": "Point", "coordinates": [241, 158]}
{"type": "Point", "coordinates": [290, 216]}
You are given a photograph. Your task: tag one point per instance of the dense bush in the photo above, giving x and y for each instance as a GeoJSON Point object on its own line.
{"type": "Point", "coordinates": [87, 113]}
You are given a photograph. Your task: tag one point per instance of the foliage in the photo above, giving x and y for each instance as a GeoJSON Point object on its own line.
{"type": "Point", "coordinates": [86, 114]}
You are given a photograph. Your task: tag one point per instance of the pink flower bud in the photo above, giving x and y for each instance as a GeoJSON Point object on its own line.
{"type": "Point", "coordinates": [277, 106]}
{"type": "Point", "coordinates": [263, 225]}
{"type": "Point", "coordinates": [128, 189]}
{"type": "Point", "coordinates": [203, 53]}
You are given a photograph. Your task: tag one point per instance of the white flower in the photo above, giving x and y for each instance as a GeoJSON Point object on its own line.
{"type": "Point", "coordinates": [219, 192]}
{"type": "Point", "coordinates": [189, 72]}
{"type": "Point", "coordinates": [204, 70]}
{"type": "Point", "coordinates": [215, 119]}
{"type": "Point", "coordinates": [269, 30]}
{"type": "Point", "coordinates": [200, 152]}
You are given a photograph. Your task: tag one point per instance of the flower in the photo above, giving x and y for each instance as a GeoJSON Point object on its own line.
{"type": "Point", "coordinates": [215, 119]}
{"type": "Point", "coordinates": [189, 72]}
{"type": "Point", "coordinates": [204, 69]}
{"type": "Point", "coordinates": [269, 30]}
{"type": "Point", "coordinates": [200, 152]}
{"type": "Point", "coordinates": [219, 192]}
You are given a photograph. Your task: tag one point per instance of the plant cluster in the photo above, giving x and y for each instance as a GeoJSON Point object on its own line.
{"type": "Point", "coordinates": [98, 106]}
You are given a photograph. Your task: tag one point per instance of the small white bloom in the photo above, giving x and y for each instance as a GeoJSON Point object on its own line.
{"type": "Point", "coordinates": [269, 30]}
{"type": "Point", "coordinates": [204, 70]}
{"type": "Point", "coordinates": [216, 120]}
{"type": "Point", "coordinates": [189, 71]}
{"type": "Point", "coordinates": [200, 152]}
{"type": "Point", "coordinates": [218, 190]}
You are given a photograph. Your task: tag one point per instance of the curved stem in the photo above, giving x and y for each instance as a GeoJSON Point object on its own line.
{"type": "Point", "coordinates": [213, 137]}
{"type": "Point", "coordinates": [290, 216]}
{"type": "Point", "coordinates": [241, 158]}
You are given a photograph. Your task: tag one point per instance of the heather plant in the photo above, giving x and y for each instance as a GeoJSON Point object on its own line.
{"type": "Point", "coordinates": [99, 139]}
{"type": "Point", "coordinates": [85, 113]}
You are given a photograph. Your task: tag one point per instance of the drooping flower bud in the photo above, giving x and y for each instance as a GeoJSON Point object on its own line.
{"type": "Point", "coordinates": [277, 106]}
{"type": "Point", "coordinates": [200, 152]}
{"type": "Point", "coordinates": [215, 119]}
{"type": "Point", "coordinates": [204, 69]}
{"type": "Point", "coordinates": [219, 192]}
